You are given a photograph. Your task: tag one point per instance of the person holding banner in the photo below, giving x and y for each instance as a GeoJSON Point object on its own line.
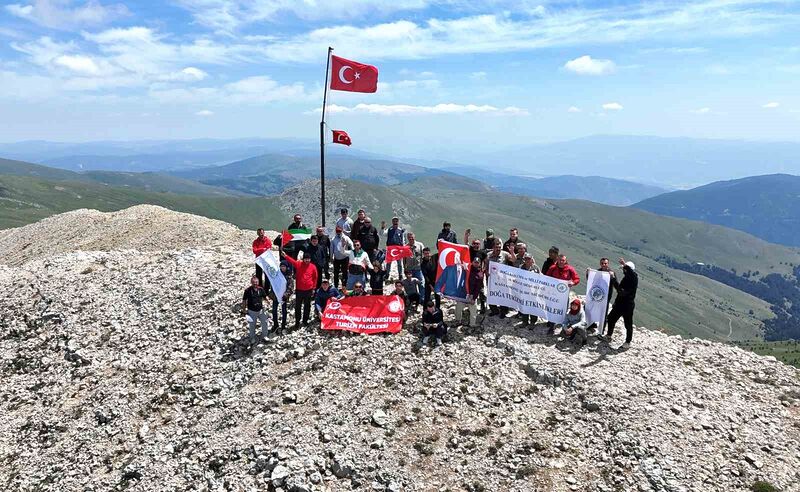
{"type": "Point", "coordinates": [253, 305]}
{"type": "Point", "coordinates": [575, 323]}
{"type": "Point", "coordinates": [395, 236]}
{"type": "Point", "coordinates": [284, 300]}
{"type": "Point", "coordinates": [433, 324]}
{"type": "Point", "coordinates": [413, 264]}
{"type": "Point", "coordinates": [498, 256]}
{"type": "Point", "coordinates": [306, 283]}
{"type": "Point", "coordinates": [325, 293]}
{"type": "Point", "coordinates": [261, 244]}
{"type": "Point", "coordinates": [624, 304]}
{"type": "Point", "coordinates": [475, 251]}
{"type": "Point", "coordinates": [429, 265]}
{"type": "Point", "coordinates": [552, 258]}
{"type": "Point", "coordinates": [529, 264]}
{"type": "Point", "coordinates": [358, 290]}
{"type": "Point", "coordinates": [400, 292]}
{"type": "Point", "coordinates": [562, 270]}
{"type": "Point", "coordinates": [475, 289]}
{"type": "Point", "coordinates": [604, 267]}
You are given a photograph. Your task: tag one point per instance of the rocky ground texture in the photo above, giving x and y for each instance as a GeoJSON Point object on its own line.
{"type": "Point", "coordinates": [125, 367]}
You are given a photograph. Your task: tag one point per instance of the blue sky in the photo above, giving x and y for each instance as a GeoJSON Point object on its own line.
{"type": "Point", "coordinates": [452, 72]}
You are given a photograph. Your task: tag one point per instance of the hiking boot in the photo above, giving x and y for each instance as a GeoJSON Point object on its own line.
{"type": "Point", "coordinates": [625, 346]}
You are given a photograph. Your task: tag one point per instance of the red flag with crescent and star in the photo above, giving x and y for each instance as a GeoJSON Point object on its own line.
{"type": "Point", "coordinates": [341, 137]}
{"type": "Point", "coordinates": [452, 271]}
{"type": "Point", "coordinates": [351, 76]}
{"type": "Point", "coordinates": [397, 253]}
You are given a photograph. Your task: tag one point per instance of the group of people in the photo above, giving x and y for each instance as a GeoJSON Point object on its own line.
{"type": "Point", "coordinates": [360, 268]}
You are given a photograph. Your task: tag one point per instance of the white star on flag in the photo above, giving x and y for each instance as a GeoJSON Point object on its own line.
{"type": "Point", "coordinates": [358, 75]}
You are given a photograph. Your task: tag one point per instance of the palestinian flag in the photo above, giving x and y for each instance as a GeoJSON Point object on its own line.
{"type": "Point", "coordinates": [295, 235]}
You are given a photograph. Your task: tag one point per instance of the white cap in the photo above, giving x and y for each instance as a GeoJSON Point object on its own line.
{"type": "Point", "coordinates": [630, 265]}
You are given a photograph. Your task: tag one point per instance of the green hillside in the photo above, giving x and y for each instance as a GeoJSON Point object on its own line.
{"type": "Point", "coordinates": [675, 301]}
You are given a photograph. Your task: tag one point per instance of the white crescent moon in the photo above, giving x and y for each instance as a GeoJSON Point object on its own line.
{"type": "Point", "coordinates": [443, 257]}
{"type": "Point", "coordinates": [341, 74]}
{"type": "Point", "coordinates": [394, 253]}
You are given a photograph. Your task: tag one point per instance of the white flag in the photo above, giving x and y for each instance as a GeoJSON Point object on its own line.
{"type": "Point", "coordinates": [597, 297]}
{"type": "Point", "coordinates": [269, 263]}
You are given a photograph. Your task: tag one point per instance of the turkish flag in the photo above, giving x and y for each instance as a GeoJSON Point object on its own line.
{"type": "Point", "coordinates": [453, 270]}
{"type": "Point", "coordinates": [396, 253]}
{"type": "Point", "coordinates": [341, 137]}
{"type": "Point", "coordinates": [351, 76]}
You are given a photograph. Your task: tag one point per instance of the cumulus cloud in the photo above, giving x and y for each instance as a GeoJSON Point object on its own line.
{"type": "Point", "coordinates": [65, 14]}
{"type": "Point", "coordinates": [586, 65]}
{"type": "Point", "coordinates": [444, 108]}
{"type": "Point", "coordinates": [771, 105]}
{"type": "Point", "coordinates": [613, 106]}
{"type": "Point", "coordinates": [573, 109]}
{"type": "Point", "coordinates": [250, 90]}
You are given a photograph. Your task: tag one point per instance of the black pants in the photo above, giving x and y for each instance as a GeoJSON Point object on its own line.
{"type": "Point", "coordinates": [275, 315]}
{"type": "Point", "coordinates": [339, 266]}
{"type": "Point", "coordinates": [413, 299]}
{"type": "Point", "coordinates": [501, 310]}
{"type": "Point", "coordinates": [531, 319]}
{"type": "Point", "coordinates": [320, 269]}
{"type": "Point", "coordinates": [439, 331]}
{"type": "Point", "coordinates": [624, 311]}
{"type": "Point", "coordinates": [262, 277]}
{"type": "Point", "coordinates": [429, 293]}
{"type": "Point", "coordinates": [302, 300]}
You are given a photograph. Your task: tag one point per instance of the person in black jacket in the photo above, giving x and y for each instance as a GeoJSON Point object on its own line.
{"type": "Point", "coordinates": [552, 258]}
{"type": "Point", "coordinates": [318, 255]}
{"type": "Point", "coordinates": [625, 301]}
{"type": "Point", "coordinates": [369, 238]}
{"type": "Point", "coordinates": [433, 324]}
{"type": "Point", "coordinates": [447, 234]}
{"type": "Point", "coordinates": [325, 244]}
{"type": "Point", "coordinates": [429, 265]}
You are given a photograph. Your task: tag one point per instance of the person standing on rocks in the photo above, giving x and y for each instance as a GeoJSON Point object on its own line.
{"type": "Point", "coordinates": [344, 222]}
{"type": "Point", "coordinates": [260, 245]}
{"type": "Point", "coordinates": [369, 238]}
{"type": "Point", "coordinates": [429, 266]}
{"type": "Point", "coordinates": [604, 267]}
{"type": "Point", "coordinates": [513, 238]}
{"type": "Point", "coordinates": [325, 243]}
{"type": "Point", "coordinates": [411, 286]}
{"type": "Point", "coordinates": [413, 264]}
{"type": "Point", "coordinates": [293, 248]}
{"type": "Point", "coordinates": [318, 256]}
{"type": "Point", "coordinates": [475, 288]}
{"type": "Point", "coordinates": [357, 224]}
{"type": "Point", "coordinates": [253, 305]}
{"type": "Point", "coordinates": [624, 304]}
{"type": "Point", "coordinates": [284, 301]}
{"type": "Point", "coordinates": [446, 234]}
{"type": "Point", "coordinates": [498, 255]}
{"type": "Point", "coordinates": [562, 270]}
{"type": "Point", "coordinates": [433, 324]}
{"type": "Point", "coordinates": [357, 266]}
{"type": "Point", "coordinates": [529, 264]}
{"type": "Point", "coordinates": [488, 242]}
{"type": "Point", "coordinates": [377, 278]}
{"type": "Point", "coordinates": [475, 251]}
{"type": "Point", "coordinates": [552, 258]}
{"type": "Point", "coordinates": [395, 236]}
{"type": "Point", "coordinates": [341, 244]}
{"type": "Point", "coordinates": [306, 282]}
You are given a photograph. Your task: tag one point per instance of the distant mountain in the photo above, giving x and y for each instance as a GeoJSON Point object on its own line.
{"type": "Point", "coordinates": [154, 182]}
{"type": "Point", "coordinates": [671, 162]}
{"type": "Point", "coordinates": [273, 173]}
{"type": "Point", "coordinates": [765, 206]}
{"type": "Point", "coordinates": [593, 188]}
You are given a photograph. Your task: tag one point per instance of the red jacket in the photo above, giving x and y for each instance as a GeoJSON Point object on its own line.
{"type": "Point", "coordinates": [261, 244]}
{"type": "Point", "coordinates": [306, 277]}
{"type": "Point", "coordinates": [566, 273]}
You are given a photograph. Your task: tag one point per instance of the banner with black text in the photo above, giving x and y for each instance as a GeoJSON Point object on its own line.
{"type": "Point", "coordinates": [528, 292]}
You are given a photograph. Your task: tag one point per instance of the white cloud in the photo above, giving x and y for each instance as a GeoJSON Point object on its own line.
{"type": "Point", "coordinates": [477, 75]}
{"type": "Point", "coordinates": [675, 50]}
{"type": "Point", "coordinates": [62, 14]}
{"type": "Point", "coordinates": [574, 109]}
{"type": "Point", "coordinates": [251, 90]}
{"type": "Point", "coordinates": [189, 74]}
{"type": "Point", "coordinates": [586, 65]}
{"type": "Point", "coordinates": [77, 63]}
{"type": "Point", "coordinates": [771, 105]}
{"type": "Point", "coordinates": [444, 108]}
{"type": "Point", "coordinates": [204, 112]}
{"type": "Point", "coordinates": [613, 106]}
{"type": "Point", "coordinates": [701, 111]}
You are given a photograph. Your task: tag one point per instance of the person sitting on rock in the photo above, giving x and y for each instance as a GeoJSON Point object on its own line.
{"type": "Point", "coordinates": [433, 324]}
{"type": "Point", "coordinates": [253, 305]}
{"type": "Point", "coordinates": [306, 283]}
{"type": "Point", "coordinates": [377, 278]}
{"type": "Point", "coordinates": [325, 293]}
{"type": "Point", "coordinates": [284, 302]}
{"type": "Point", "coordinates": [574, 326]}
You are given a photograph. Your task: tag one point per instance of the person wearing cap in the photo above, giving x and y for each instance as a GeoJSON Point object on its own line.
{"type": "Point", "coordinates": [261, 244]}
{"type": "Point", "coordinates": [395, 236]}
{"type": "Point", "coordinates": [433, 324]}
{"type": "Point", "coordinates": [624, 304]}
{"type": "Point", "coordinates": [446, 234]}
{"type": "Point", "coordinates": [529, 264]}
{"type": "Point", "coordinates": [574, 326]}
{"type": "Point", "coordinates": [474, 289]}
{"type": "Point", "coordinates": [341, 244]}
{"type": "Point", "coordinates": [488, 243]}
{"type": "Point", "coordinates": [325, 293]}
{"type": "Point", "coordinates": [344, 222]}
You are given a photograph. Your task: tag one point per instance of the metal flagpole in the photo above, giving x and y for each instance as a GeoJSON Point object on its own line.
{"type": "Point", "coordinates": [322, 139]}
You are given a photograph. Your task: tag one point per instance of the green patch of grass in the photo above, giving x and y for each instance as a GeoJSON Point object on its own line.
{"type": "Point", "coordinates": [787, 351]}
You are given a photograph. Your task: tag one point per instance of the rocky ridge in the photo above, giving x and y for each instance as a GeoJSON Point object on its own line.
{"type": "Point", "coordinates": [127, 368]}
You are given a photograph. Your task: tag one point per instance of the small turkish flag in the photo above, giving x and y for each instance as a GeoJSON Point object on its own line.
{"type": "Point", "coordinates": [396, 253]}
{"type": "Point", "coordinates": [352, 76]}
{"type": "Point", "coordinates": [341, 137]}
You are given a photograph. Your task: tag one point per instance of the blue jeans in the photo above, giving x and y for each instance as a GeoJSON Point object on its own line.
{"type": "Point", "coordinates": [353, 279]}
{"type": "Point", "coordinates": [417, 274]}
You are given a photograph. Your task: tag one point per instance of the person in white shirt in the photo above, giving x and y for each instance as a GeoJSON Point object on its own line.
{"type": "Point", "coordinates": [357, 266]}
{"type": "Point", "coordinates": [340, 245]}
{"type": "Point", "coordinates": [345, 222]}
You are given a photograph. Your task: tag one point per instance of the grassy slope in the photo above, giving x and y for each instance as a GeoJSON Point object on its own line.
{"type": "Point", "coordinates": [669, 299]}
{"type": "Point", "coordinates": [787, 351]}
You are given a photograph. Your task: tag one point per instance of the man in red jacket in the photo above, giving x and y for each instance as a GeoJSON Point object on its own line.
{"type": "Point", "coordinates": [261, 244]}
{"type": "Point", "coordinates": [305, 283]}
{"type": "Point", "coordinates": [564, 271]}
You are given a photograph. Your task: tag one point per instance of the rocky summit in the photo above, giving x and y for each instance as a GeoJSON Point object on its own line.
{"type": "Point", "coordinates": [125, 366]}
